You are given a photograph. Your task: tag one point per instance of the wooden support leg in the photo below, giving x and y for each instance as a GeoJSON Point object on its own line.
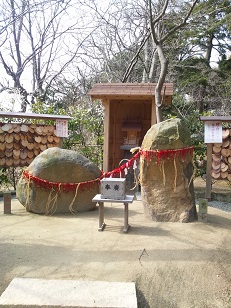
{"type": "Point", "coordinates": [126, 225]}
{"type": "Point", "coordinates": [102, 225]}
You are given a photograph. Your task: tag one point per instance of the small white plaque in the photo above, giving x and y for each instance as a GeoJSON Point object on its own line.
{"type": "Point", "coordinates": [213, 132]}
{"type": "Point", "coordinates": [61, 128]}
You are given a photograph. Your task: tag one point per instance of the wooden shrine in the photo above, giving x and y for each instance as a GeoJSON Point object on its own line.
{"type": "Point", "coordinates": [130, 111]}
{"type": "Point", "coordinates": [218, 154]}
{"type": "Point", "coordinates": [21, 142]}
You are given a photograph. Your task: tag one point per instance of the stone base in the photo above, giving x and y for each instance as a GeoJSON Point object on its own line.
{"type": "Point", "coordinates": [28, 292]}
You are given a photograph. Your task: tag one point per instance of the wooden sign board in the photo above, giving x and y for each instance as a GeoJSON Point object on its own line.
{"type": "Point", "coordinates": [61, 128]}
{"type": "Point", "coordinates": [213, 132]}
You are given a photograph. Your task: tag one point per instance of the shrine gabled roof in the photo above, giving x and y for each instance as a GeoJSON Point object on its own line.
{"type": "Point", "coordinates": [129, 90]}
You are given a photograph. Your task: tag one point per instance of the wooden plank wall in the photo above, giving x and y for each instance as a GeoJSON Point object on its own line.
{"type": "Point", "coordinates": [120, 111]}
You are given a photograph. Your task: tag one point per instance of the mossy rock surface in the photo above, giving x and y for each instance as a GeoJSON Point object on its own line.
{"type": "Point", "coordinates": [167, 186]}
{"type": "Point", "coordinates": [59, 166]}
{"type": "Point", "coordinates": [169, 134]}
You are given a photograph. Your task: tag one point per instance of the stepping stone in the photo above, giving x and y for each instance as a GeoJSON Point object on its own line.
{"type": "Point", "coordinates": [24, 292]}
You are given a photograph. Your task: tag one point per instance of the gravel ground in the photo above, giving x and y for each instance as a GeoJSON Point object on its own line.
{"type": "Point", "coordinates": [224, 206]}
{"type": "Point", "coordinates": [219, 187]}
{"type": "Point", "coordinates": [173, 265]}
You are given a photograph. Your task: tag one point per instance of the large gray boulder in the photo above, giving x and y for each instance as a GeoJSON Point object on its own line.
{"type": "Point", "coordinates": [59, 166]}
{"type": "Point", "coordinates": [167, 193]}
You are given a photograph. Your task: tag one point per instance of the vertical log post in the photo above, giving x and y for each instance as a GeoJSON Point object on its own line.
{"type": "Point", "coordinates": [7, 202]}
{"type": "Point", "coordinates": [208, 172]}
{"type": "Point", "coordinates": [203, 210]}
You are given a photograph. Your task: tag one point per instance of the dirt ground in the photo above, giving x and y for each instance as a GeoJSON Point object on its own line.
{"type": "Point", "coordinates": [172, 264]}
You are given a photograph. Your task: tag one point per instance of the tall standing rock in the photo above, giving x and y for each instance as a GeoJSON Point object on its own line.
{"type": "Point", "coordinates": [167, 189]}
{"type": "Point", "coordinates": [58, 166]}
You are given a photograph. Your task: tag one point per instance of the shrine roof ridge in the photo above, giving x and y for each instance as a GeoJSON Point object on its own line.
{"type": "Point", "coordinates": [130, 89]}
{"type": "Point", "coordinates": [216, 118]}
{"type": "Point", "coordinates": [33, 116]}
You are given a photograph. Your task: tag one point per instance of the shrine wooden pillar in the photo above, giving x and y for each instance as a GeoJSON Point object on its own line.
{"type": "Point", "coordinates": [153, 114]}
{"type": "Point", "coordinates": [106, 104]}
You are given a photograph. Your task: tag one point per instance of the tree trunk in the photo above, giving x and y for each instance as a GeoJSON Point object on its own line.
{"type": "Point", "coordinates": [209, 48]}
{"type": "Point", "coordinates": [201, 98]}
{"type": "Point", "coordinates": [23, 95]}
{"type": "Point", "coordinates": [160, 83]}
{"type": "Point", "coordinates": [153, 67]}
{"type": "Point", "coordinates": [146, 62]}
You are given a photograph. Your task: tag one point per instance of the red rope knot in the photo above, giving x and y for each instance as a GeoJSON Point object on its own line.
{"type": "Point", "coordinates": [162, 155]}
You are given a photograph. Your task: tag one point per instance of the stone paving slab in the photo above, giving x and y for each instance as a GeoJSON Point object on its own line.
{"type": "Point", "coordinates": [24, 292]}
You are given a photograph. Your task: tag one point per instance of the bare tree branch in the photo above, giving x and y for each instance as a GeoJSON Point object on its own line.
{"type": "Point", "coordinates": [135, 58]}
